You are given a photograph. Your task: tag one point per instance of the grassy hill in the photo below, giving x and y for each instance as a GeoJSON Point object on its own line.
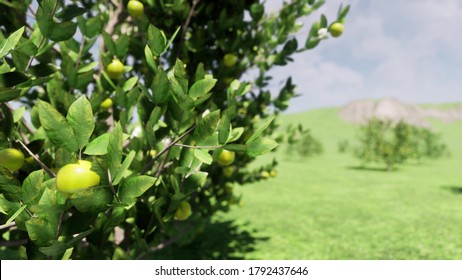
{"type": "Point", "coordinates": [325, 207]}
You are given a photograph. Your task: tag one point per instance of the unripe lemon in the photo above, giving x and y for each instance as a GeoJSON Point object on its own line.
{"type": "Point", "coordinates": [225, 158]}
{"type": "Point", "coordinates": [74, 177]}
{"type": "Point", "coordinates": [183, 212]}
{"type": "Point", "coordinates": [264, 174]}
{"type": "Point", "coordinates": [106, 104]}
{"type": "Point", "coordinates": [230, 59]}
{"type": "Point", "coordinates": [135, 8]}
{"type": "Point", "coordinates": [12, 159]}
{"type": "Point", "coordinates": [336, 29]}
{"type": "Point", "coordinates": [273, 173]}
{"type": "Point", "coordinates": [115, 69]}
{"type": "Point", "coordinates": [228, 171]}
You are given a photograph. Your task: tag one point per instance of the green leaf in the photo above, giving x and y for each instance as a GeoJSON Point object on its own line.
{"type": "Point", "coordinates": [206, 127]}
{"type": "Point", "coordinates": [160, 87]}
{"type": "Point", "coordinates": [150, 58]}
{"type": "Point", "coordinates": [170, 41]}
{"type": "Point", "coordinates": [236, 147]}
{"type": "Point", "coordinates": [235, 134]}
{"type": "Point", "coordinates": [70, 11]}
{"type": "Point", "coordinates": [202, 87]}
{"type": "Point", "coordinates": [195, 181]}
{"type": "Point", "coordinates": [18, 113]}
{"type": "Point", "coordinates": [32, 188]}
{"type": "Point", "coordinates": [260, 130]}
{"type": "Point", "coordinates": [16, 214]}
{"type": "Point", "coordinates": [92, 200]}
{"type": "Point", "coordinates": [123, 168]}
{"type": "Point", "coordinates": [114, 150]}
{"type": "Point", "coordinates": [55, 250]}
{"type": "Point", "coordinates": [203, 156]}
{"type": "Point", "coordinates": [135, 187]}
{"type": "Point", "coordinates": [63, 31]}
{"type": "Point", "coordinates": [224, 128]}
{"type": "Point", "coordinates": [9, 185]}
{"type": "Point", "coordinates": [261, 146]}
{"type": "Point", "coordinates": [156, 40]}
{"type": "Point", "coordinates": [11, 42]}
{"type": "Point", "coordinates": [80, 118]}
{"type": "Point", "coordinates": [87, 67]}
{"type": "Point", "coordinates": [129, 84]}
{"type": "Point", "coordinates": [12, 79]}
{"type": "Point", "coordinates": [56, 127]}
{"type": "Point", "coordinates": [109, 43]}
{"type": "Point", "coordinates": [98, 146]}
{"type": "Point", "coordinates": [40, 231]}
{"type": "Point", "coordinates": [9, 94]}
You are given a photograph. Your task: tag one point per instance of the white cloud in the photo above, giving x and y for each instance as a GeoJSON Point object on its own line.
{"type": "Point", "coordinates": [406, 49]}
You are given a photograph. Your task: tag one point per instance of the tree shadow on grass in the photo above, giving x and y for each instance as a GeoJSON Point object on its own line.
{"type": "Point", "coordinates": [368, 168]}
{"type": "Point", "coordinates": [223, 240]}
{"type": "Point", "coordinates": [453, 189]}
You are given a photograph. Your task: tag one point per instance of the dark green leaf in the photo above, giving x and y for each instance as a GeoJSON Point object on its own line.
{"type": "Point", "coordinates": [160, 87]}
{"type": "Point", "coordinates": [9, 185]}
{"type": "Point", "coordinates": [11, 79]}
{"type": "Point", "coordinates": [70, 11]}
{"type": "Point", "coordinates": [156, 40]}
{"type": "Point", "coordinates": [114, 150]}
{"type": "Point", "coordinates": [56, 250]}
{"type": "Point", "coordinates": [9, 94]}
{"type": "Point", "coordinates": [92, 200]}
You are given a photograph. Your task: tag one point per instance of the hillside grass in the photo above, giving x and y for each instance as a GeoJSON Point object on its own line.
{"type": "Point", "coordinates": [327, 207]}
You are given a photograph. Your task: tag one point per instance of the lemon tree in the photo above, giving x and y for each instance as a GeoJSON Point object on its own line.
{"type": "Point", "coordinates": [182, 113]}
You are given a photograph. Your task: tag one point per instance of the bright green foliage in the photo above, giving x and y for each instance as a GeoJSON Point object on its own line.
{"type": "Point", "coordinates": [302, 141]}
{"type": "Point", "coordinates": [382, 141]}
{"type": "Point", "coordinates": [173, 93]}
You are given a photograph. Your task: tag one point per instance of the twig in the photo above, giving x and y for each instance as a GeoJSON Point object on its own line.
{"type": "Point", "coordinates": [184, 27]}
{"type": "Point", "coordinates": [112, 187]}
{"type": "Point", "coordinates": [60, 225]}
{"type": "Point", "coordinates": [12, 224]}
{"type": "Point", "coordinates": [47, 170]}
{"type": "Point", "coordinates": [113, 20]}
{"type": "Point", "coordinates": [151, 162]}
{"type": "Point", "coordinates": [198, 147]}
{"type": "Point", "coordinates": [43, 37]}
{"type": "Point", "coordinates": [14, 243]}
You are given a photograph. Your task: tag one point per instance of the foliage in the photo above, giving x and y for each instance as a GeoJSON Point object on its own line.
{"type": "Point", "coordinates": [302, 141]}
{"type": "Point", "coordinates": [383, 141]}
{"type": "Point", "coordinates": [176, 106]}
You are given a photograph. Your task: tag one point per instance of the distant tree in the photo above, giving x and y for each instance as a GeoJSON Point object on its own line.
{"type": "Point", "coordinates": [302, 141]}
{"type": "Point", "coordinates": [383, 141]}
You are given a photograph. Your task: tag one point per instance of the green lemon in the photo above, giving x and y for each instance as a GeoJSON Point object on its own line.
{"type": "Point", "coordinates": [74, 177]}
{"type": "Point", "coordinates": [12, 159]}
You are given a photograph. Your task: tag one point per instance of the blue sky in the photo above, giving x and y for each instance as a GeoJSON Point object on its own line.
{"type": "Point", "coordinates": [410, 50]}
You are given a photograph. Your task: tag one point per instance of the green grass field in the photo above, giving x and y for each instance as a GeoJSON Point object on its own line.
{"type": "Point", "coordinates": [326, 207]}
